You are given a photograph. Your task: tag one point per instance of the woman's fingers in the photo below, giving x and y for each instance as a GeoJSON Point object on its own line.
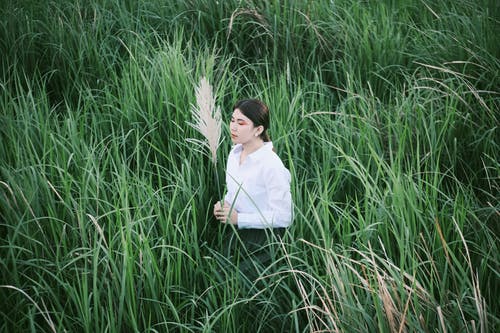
{"type": "Point", "coordinates": [221, 213]}
{"type": "Point", "coordinates": [217, 210]}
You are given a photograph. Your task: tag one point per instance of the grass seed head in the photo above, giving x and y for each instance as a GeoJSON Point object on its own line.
{"type": "Point", "coordinates": [207, 118]}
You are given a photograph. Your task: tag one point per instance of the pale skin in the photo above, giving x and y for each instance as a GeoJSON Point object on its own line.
{"type": "Point", "coordinates": [242, 131]}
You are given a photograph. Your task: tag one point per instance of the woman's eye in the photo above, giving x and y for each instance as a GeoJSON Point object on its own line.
{"type": "Point", "coordinates": [242, 122]}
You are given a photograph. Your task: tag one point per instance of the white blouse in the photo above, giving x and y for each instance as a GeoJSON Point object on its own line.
{"type": "Point", "coordinates": [259, 189]}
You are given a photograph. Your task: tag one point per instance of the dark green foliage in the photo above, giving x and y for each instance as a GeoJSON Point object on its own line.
{"type": "Point", "coordinates": [385, 112]}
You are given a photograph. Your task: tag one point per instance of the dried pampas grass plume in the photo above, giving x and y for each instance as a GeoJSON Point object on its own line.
{"type": "Point", "coordinates": [207, 120]}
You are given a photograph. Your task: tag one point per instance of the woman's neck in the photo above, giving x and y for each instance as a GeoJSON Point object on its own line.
{"type": "Point", "coordinates": [252, 146]}
{"type": "Point", "coordinates": [249, 148]}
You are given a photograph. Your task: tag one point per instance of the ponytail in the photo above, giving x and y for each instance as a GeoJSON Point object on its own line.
{"type": "Point", "coordinates": [264, 136]}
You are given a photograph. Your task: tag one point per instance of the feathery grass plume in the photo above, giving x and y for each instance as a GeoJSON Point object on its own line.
{"type": "Point", "coordinates": [207, 120]}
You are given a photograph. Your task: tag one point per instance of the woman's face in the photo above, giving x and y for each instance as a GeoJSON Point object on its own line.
{"type": "Point", "coordinates": [242, 128]}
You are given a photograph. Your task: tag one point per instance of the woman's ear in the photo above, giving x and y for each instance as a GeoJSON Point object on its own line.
{"type": "Point", "coordinates": [260, 130]}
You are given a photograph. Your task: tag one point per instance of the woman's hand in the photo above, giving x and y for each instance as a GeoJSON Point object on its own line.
{"type": "Point", "coordinates": [225, 214]}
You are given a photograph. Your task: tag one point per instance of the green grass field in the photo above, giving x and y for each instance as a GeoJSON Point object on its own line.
{"type": "Point", "coordinates": [385, 113]}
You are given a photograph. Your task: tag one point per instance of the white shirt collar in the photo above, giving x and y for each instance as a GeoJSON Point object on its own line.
{"type": "Point", "coordinates": [259, 153]}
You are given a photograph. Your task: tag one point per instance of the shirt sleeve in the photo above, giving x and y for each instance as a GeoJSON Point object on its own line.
{"type": "Point", "coordinates": [278, 213]}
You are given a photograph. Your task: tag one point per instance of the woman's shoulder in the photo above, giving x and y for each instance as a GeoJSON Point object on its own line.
{"type": "Point", "coordinates": [273, 159]}
{"type": "Point", "coordinates": [274, 162]}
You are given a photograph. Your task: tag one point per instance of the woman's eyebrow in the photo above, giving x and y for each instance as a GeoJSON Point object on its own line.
{"type": "Point", "coordinates": [240, 119]}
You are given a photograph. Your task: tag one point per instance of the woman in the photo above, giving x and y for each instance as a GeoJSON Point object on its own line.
{"type": "Point", "coordinates": [258, 200]}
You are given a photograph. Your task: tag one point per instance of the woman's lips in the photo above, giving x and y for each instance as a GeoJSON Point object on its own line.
{"type": "Point", "coordinates": [234, 136]}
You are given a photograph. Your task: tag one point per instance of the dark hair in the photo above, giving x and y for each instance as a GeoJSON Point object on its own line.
{"type": "Point", "coordinates": [257, 112]}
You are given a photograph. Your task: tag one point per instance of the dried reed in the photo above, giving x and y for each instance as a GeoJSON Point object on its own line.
{"type": "Point", "coordinates": [207, 121]}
